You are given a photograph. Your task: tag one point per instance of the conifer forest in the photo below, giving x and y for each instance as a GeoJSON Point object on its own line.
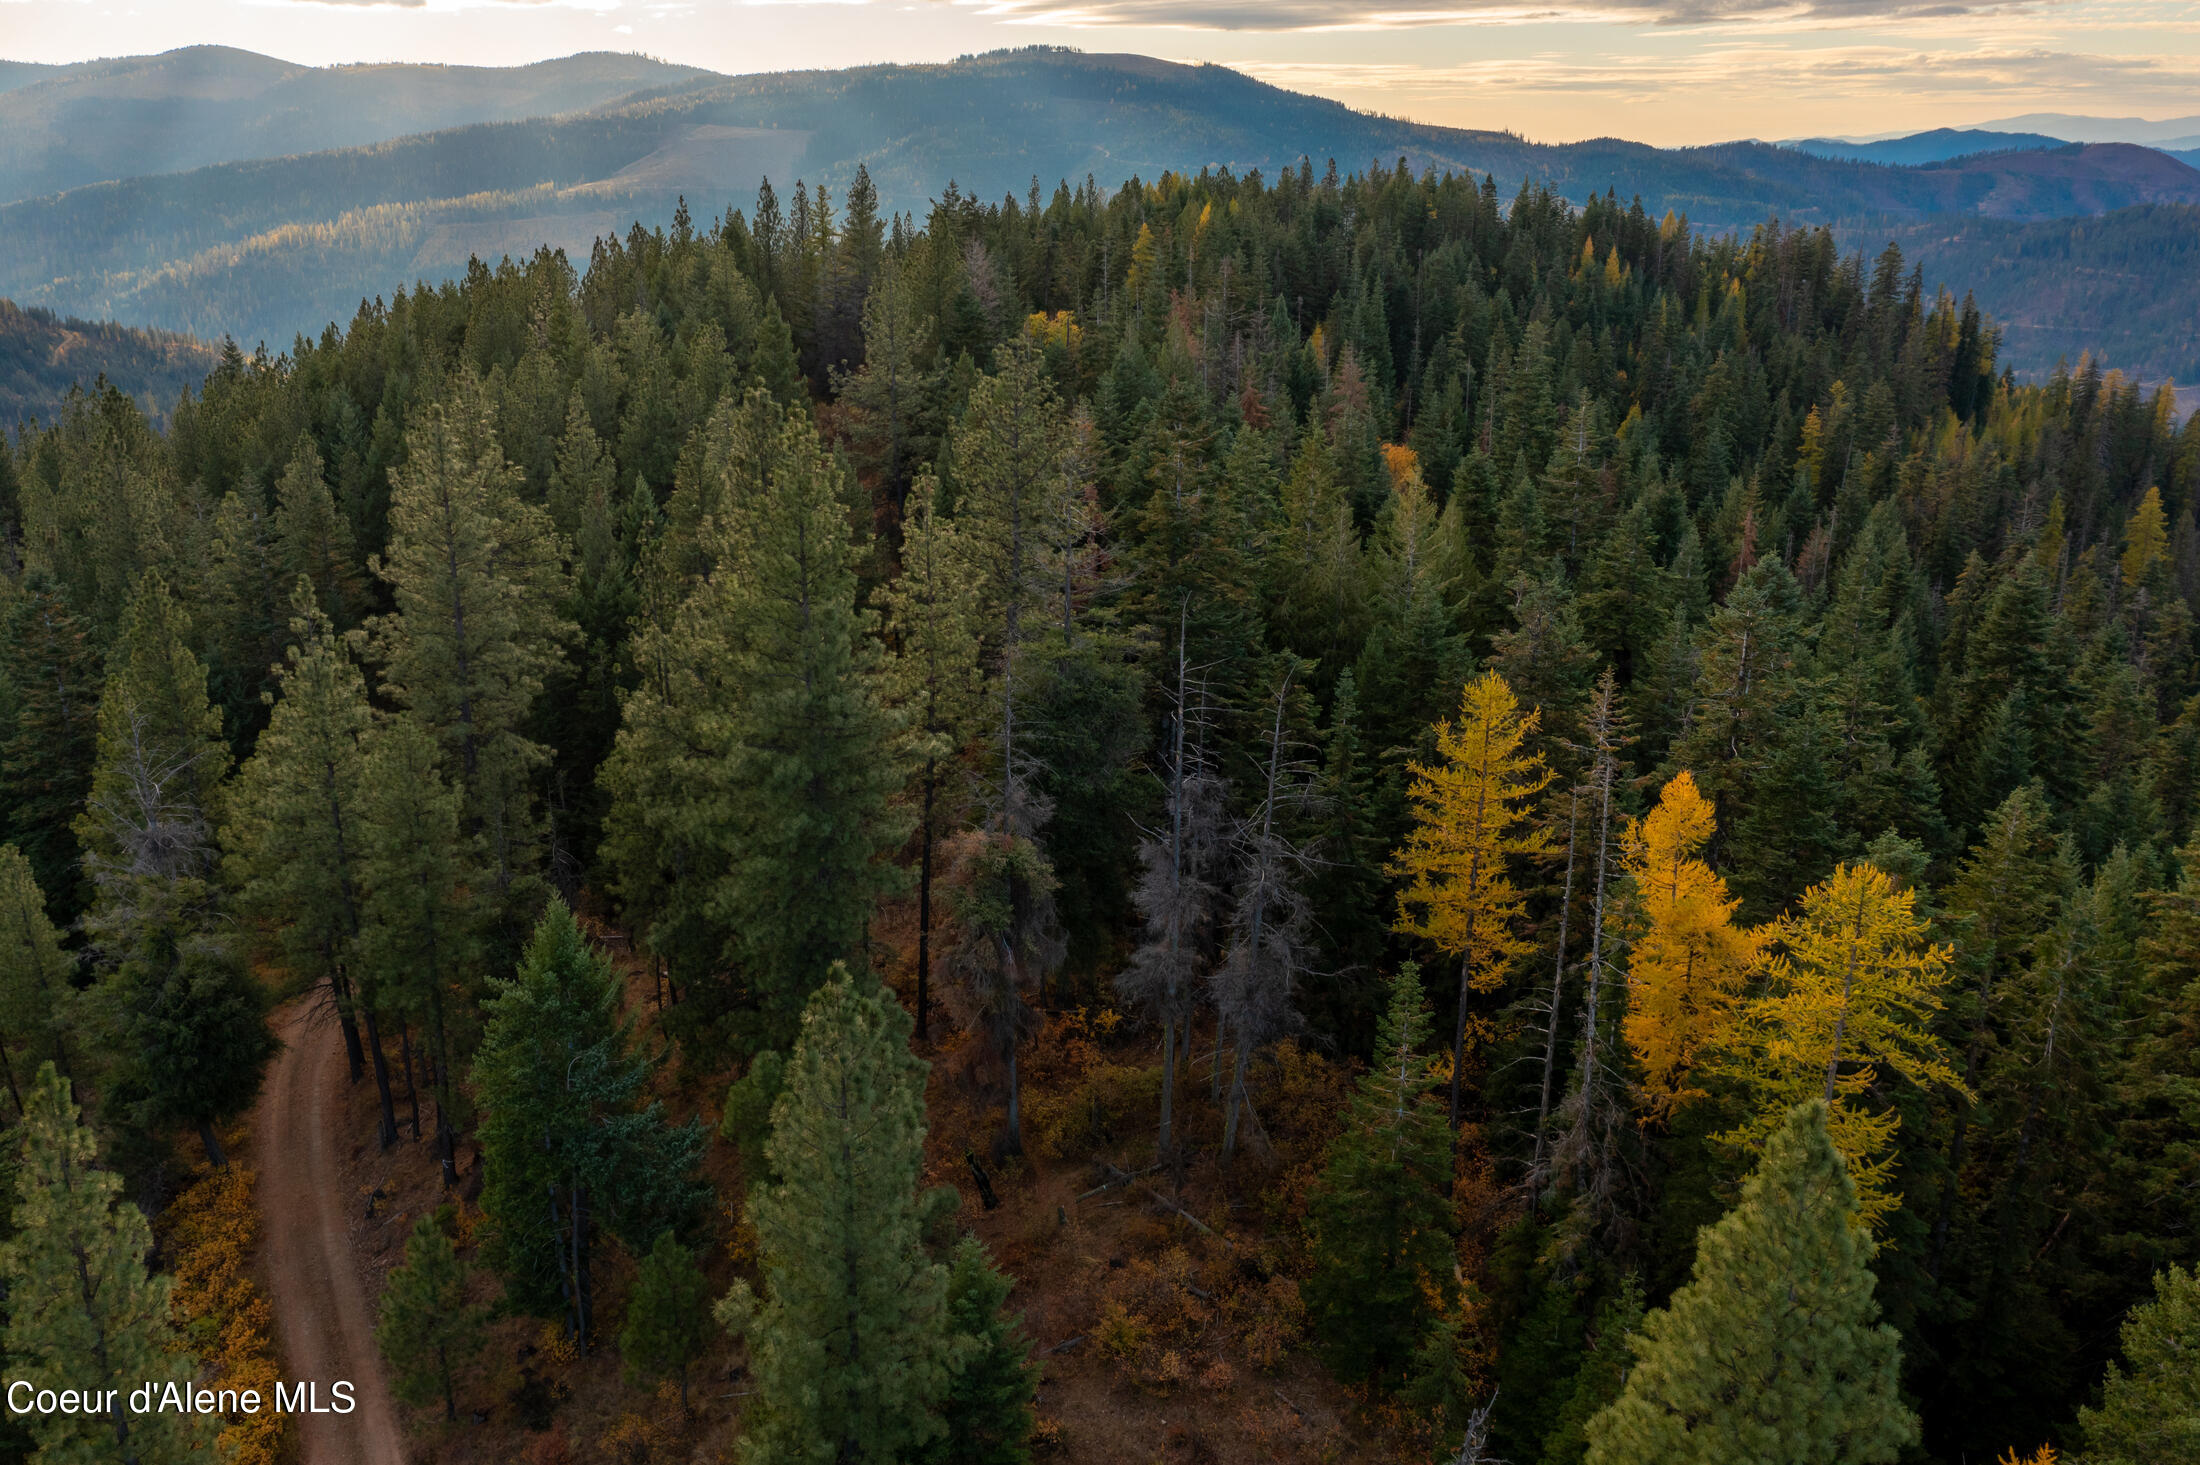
{"type": "Point", "coordinates": [1323, 817]}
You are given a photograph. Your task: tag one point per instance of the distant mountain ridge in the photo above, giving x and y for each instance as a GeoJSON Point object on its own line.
{"type": "Point", "coordinates": [1937, 146]}
{"type": "Point", "coordinates": [2175, 132]}
{"type": "Point", "coordinates": [265, 248]}
{"type": "Point", "coordinates": [22, 73]}
{"type": "Point", "coordinates": [67, 126]}
{"type": "Point", "coordinates": [2125, 286]}
{"type": "Point", "coordinates": [42, 356]}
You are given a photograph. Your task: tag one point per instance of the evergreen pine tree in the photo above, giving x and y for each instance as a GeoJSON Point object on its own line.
{"type": "Point", "coordinates": [849, 1341]}
{"type": "Point", "coordinates": [1008, 938]}
{"type": "Point", "coordinates": [667, 1315]}
{"type": "Point", "coordinates": [758, 752]}
{"type": "Point", "coordinates": [584, 469]}
{"type": "Point", "coordinates": [155, 790]}
{"type": "Point", "coordinates": [184, 1017]}
{"type": "Point", "coordinates": [49, 732]}
{"type": "Point", "coordinates": [293, 840]}
{"type": "Point", "coordinates": [83, 1313]}
{"type": "Point", "coordinates": [1316, 574]}
{"type": "Point", "coordinates": [565, 1141]}
{"type": "Point", "coordinates": [2149, 1412]}
{"type": "Point", "coordinates": [934, 680]}
{"type": "Point", "coordinates": [1602, 1375]}
{"type": "Point", "coordinates": [1773, 1351]}
{"type": "Point", "coordinates": [776, 368]}
{"type": "Point", "coordinates": [37, 1002]}
{"type": "Point", "coordinates": [1414, 650]}
{"type": "Point", "coordinates": [196, 1032]}
{"type": "Point", "coordinates": [1379, 1222]}
{"type": "Point", "coordinates": [1346, 884]}
{"type": "Point", "coordinates": [427, 1327]}
{"type": "Point", "coordinates": [1745, 685]}
{"type": "Point", "coordinates": [1010, 462]}
{"type": "Point", "coordinates": [419, 932]}
{"type": "Point", "coordinates": [885, 397]}
{"type": "Point", "coordinates": [313, 539]}
{"type": "Point", "coordinates": [2003, 905]}
{"type": "Point", "coordinates": [992, 1379]}
{"type": "Point", "coordinates": [477, 575]}
{"type": "Point", "coordinates": [243, 596]}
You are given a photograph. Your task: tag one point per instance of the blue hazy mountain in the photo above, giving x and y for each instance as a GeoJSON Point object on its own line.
{"type": "Point", "coordinates": [65, 126]}
{"type": "Point", "coordinates": [1937, 146]}
{"type": "Point", "coordinates": [264, 247]}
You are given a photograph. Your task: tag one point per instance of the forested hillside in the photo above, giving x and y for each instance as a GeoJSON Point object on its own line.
{"type": "Point", "coordinates": [65, 126]}
{"type": "Point", "coordinates": [2125, 285]}
{"type": "Point", "coordinates": [268, 248]}
{"type": "Point", "coordinates": [1935, 146]}
{"type": "Point", "coordinates": [1334, 790]}
{"type": "Point", "coordinates": [43, 358]}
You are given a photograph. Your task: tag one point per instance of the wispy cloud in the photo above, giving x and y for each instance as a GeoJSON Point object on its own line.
{"type": "Point", "coordinates": [1379, 15]}
{"type": "Point", "coordinates": [1860, 71]}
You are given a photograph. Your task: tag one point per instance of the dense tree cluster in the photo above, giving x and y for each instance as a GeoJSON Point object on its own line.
{"type": "Point", "coordinates": [1761, 737]}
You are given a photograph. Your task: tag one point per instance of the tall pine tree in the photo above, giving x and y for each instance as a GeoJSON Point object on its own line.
{"type": "Point", "coordinates": [848, 1342]}
{"type": "Point", "coordinates": [83, 1313]}
{"type": "Point", "coordinates": [566, 1140]}
{"type": "Point", "coordinates": [1774, 1350]}
{"type": "Point", "coordinates": [478, 577]}
{"type": "Point", "coordinates": [1379, 1222]}
{"type": "Point", "coordinates": [757, 761]}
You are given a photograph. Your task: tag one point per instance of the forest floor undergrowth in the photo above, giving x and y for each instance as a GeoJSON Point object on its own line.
{"type": "Point", "coordinates": [1164, 1308]}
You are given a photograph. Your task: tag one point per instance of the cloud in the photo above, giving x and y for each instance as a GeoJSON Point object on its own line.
{"type": "Point", "coordinates": [1378, 15]}
{"type": "Point", "coordinates": [1849, 72]}
{"type": "Point", "coordinates": [453, 4]}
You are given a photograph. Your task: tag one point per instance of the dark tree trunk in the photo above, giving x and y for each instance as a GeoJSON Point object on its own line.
{"type": "Point", "coordinates": [382, 1083]}
{"type": "Point", "coordinates": [446, 1138]}
{"type": "Point", "coordinates": [924, 910]}
{"type": "Point", "coordinates": [412, 1089]}
{"type": "Point", "coordinates": [339, 987]}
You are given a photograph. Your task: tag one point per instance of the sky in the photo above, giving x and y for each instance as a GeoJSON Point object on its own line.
{"type": "Point", "coordinates": [1669, 72]}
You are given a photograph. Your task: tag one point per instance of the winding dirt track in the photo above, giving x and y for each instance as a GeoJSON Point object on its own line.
{"type": "Point", "coordinates": [313, 1278]}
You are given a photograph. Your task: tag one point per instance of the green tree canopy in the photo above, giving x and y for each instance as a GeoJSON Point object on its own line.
{"type": "Point", "coordinates": [849, 1341]}
{"type": "Point", "coordinates": [1773, 1351]}
{"type": "Point", "coordinates": [565, 1135]}
{"type": "Point", "coordinates": [83, 1313]}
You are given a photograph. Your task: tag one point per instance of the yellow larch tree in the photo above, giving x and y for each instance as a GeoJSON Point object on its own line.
{"type": "Point", "coordinates": [1689, 959]}
{"type": "Point", "coordinates": [1471, 821]}
{"type": "Point", "coordinates": [1850, 986]}
{"type": "Point", "coordinates": [2146, 539]}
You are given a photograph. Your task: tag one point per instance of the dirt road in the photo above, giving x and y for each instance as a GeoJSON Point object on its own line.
{"type": "Point", "coordinates": [320, 1307]}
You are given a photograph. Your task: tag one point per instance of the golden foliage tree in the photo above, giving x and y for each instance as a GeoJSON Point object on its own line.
{"type": "Point", "coordinates": [1690, 959]}
{"type": "Point", "coordinates": [1470, 823]}
{"type": "Point", "coordinates": [1852, 986]}
{"type": "Point", "coordinates": [2146, 539]}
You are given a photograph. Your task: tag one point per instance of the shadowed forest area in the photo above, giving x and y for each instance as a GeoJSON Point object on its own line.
{"type": "Point", "coordinates": [1304, 818]}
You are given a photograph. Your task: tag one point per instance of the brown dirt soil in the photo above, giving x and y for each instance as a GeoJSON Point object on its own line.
{"type": "Point", "coordinates": [1162, 1344]}
{"type": "Point", "coordinates": [307, 1259]}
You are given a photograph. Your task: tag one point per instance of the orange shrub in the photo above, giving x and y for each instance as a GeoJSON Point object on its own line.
{"type": "Point", "coordinates": [210, 1231]}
